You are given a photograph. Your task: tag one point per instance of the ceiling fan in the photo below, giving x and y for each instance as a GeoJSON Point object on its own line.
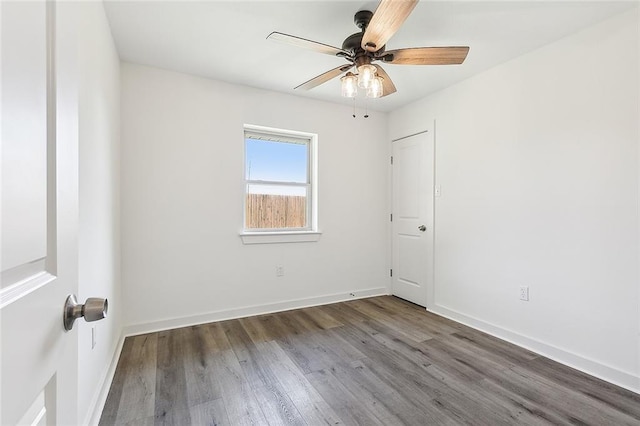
{"type": "Point", "coordinates": [363, 48]}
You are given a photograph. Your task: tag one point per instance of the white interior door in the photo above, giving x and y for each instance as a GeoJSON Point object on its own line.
{"type": "Point", "coordinates": [412, 218]}
{"type": "Point", "coordinates": [39, 214]}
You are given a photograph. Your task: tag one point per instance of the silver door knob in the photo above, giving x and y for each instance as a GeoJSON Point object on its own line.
{"type": "Point", "coordinates": [93, 309]}
{"type": "Point", "coordinates": [422, 228]}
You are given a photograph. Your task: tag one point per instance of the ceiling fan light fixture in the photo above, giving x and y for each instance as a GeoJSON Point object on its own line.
{"type": "Point", "coordinates": [366, 74]}
{"type": "Point", "coordinates": [349, 85]}
{"type": "Point", "coordinates": [375, 90]}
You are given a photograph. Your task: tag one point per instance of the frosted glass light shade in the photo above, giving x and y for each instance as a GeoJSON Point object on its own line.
{"type": "Point", "coordinates": [366, 73]}
{"type": "Point", "coordinates": [349, 85]}
{"type": "Point", "coordinates": [375, 90]}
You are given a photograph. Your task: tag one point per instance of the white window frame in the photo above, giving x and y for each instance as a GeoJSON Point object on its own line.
{"type": "Point", "coordinates": [283, 235]}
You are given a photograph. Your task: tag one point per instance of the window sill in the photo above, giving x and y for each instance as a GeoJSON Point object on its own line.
{"type": "Point", "coordinates": [280, 237]}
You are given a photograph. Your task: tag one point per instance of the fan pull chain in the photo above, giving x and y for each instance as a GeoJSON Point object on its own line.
{"type": "Point", "coordinates": [366, 108]}
{"type": "Point", "coordinates": [354, 107]}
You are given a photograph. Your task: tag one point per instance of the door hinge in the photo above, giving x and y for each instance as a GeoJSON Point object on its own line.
{"type": "Point", "coordinates": [392, 160]}
{"type": "Point", "coordinates": [390, 272]}
{"type": "Point", "coordinates": [391, 217]}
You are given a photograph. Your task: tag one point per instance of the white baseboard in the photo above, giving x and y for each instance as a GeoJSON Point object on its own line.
{"type": "Point", "coordinates": [607, 373]}
{"type": "Point", "coordinates": [247, 311]}
{"type": "Point", "coordinates": [100, 398]}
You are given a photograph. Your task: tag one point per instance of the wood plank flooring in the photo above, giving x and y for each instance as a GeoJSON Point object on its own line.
{"type": "Point", "coordinates": [376, 361]}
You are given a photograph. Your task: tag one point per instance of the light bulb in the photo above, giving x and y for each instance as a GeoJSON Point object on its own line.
{"type": "Point", "coordinates": [376, 88]}
{"type": "Point", "coordinates": [349, 85]}
{"type": "Point", "coordinates": [366, 73]}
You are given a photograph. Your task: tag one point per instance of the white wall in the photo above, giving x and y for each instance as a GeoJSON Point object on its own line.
{"type": "Point", "coordinates": [182, 201]}
{"type": "Point", "coordinates": [538, 163]}
{"type": "Point", "coordinates": [99, 228]}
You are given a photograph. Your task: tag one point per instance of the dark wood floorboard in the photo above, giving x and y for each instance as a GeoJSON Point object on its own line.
{"type": "Point", "coordinates": [376, 361]}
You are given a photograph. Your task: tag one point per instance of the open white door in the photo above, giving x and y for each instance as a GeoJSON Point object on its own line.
{"type": "Point", "coordinates": [412, 218]}
{"type": "Point", "coordinates": [39, 213]}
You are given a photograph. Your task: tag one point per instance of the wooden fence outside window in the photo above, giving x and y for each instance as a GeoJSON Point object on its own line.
{"type": "Point", "coordinates": [265, 211]}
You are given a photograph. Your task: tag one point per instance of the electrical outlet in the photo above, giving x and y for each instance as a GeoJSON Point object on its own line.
{"type": "Point", "coordinates": [93, 337]}
{"type": "Point", "coordinates": [279, 271]}
{"type": "Point", "coordinates": [524, 293]}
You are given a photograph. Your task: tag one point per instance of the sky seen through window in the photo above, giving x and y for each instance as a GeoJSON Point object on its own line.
{"type": "Point", "coordinates": [276, 162]}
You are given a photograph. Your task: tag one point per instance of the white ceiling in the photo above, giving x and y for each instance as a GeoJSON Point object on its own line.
{"type": "Point", "coordinates": [226, 40]}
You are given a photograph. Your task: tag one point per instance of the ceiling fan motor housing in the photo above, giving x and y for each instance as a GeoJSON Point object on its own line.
{"type": "Point", "coordinates": [352, 43]}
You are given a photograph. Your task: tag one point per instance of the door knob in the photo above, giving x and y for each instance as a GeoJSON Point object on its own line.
{"type": "Point", "coordinates": [422, 228]}
{"type": "Point", "coordinates": [94, 309]}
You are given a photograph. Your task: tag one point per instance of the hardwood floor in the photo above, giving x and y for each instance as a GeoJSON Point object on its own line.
{"type": "Point", "coordinates": [377, 361]}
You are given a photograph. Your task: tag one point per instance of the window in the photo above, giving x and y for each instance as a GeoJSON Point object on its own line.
{"type": "Point", "coordinates": [280, 183]}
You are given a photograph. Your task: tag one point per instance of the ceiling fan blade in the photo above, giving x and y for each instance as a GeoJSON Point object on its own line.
{"type": "Point", "coordinates": [306, 44]}
{"type": "Point", "coordinates": [387, 85]}
{"type": "Point", "coordinates": [427, 56]}
{"type": "Point", "coordinates": [324, 77]}
{"type": "Point", "coordinates": [386, 20]}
